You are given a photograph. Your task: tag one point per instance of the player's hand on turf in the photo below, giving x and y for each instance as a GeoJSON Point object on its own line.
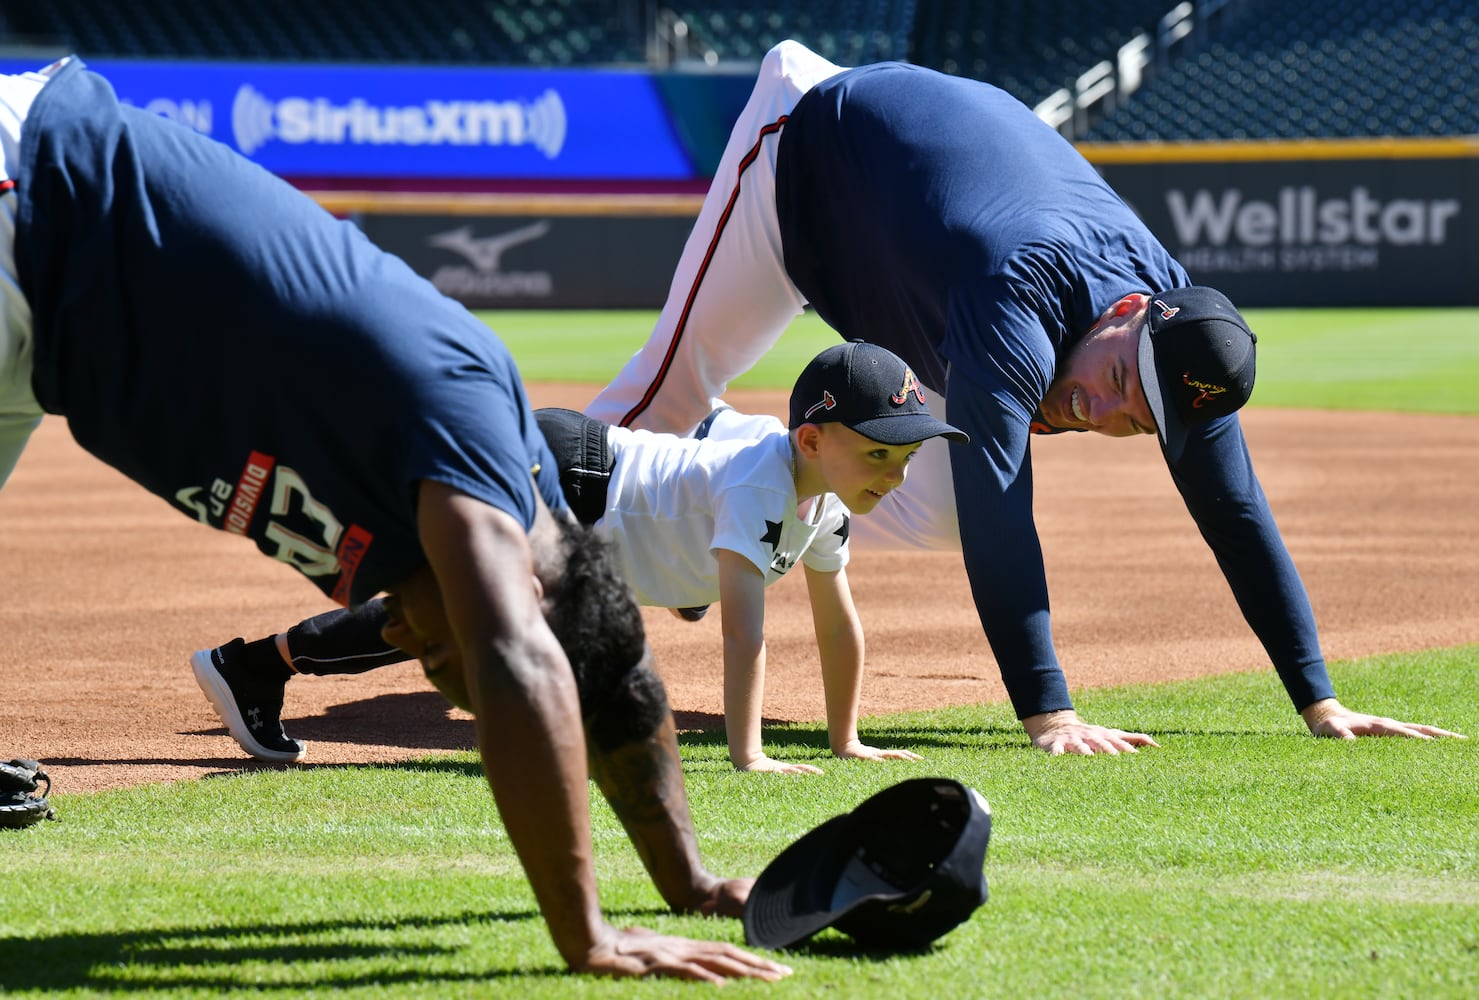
{"type": "Point", "coordinates": [639, 952]}
{"type": "Point", "coordinates": [1064, 732]}
{"type": "Point", "coordinates": [858, 750]}
{"type": "Point", "coordinates": [1330, 718]}
{"type": "Point", "coordinates": [764, 763]}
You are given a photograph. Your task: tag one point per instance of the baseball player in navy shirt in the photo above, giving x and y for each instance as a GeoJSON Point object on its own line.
{"type": "Point", "coordinates": [221, 340]}
{"type": "Point", "coordinates": [938, 217]}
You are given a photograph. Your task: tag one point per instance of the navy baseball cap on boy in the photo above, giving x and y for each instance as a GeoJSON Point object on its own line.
{"type": "Point", "coordinates": [869, 389]}
{"type": "Point", "coordinates": [900, 870]}
{"type": "Point", "coordinates": [1202, 353]}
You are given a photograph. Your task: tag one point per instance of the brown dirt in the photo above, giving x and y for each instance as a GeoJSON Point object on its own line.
{"type": "Point", "coordinates": [106, 591]}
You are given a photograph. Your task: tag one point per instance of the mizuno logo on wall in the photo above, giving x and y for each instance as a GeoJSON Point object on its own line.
{"type": "Point", "coordinates": [485, 278]}
{"type": "Point", "coordinates": [257, 120]}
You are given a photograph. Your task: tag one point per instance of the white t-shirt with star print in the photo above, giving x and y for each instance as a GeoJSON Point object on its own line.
{"type": "Point", "coordinates": [673, 502]}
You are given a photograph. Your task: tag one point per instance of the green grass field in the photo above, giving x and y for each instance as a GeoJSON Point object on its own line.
{"type": "Point", "coordinates": [1242, 859]}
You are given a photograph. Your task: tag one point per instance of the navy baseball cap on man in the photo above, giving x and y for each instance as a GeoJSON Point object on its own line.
{"type": "Point", "coordinates": [1202, 353]}
{"type": "Point", "coordinates": [869, 389]}
{"type": "Point", "coordinates": [897, 872]}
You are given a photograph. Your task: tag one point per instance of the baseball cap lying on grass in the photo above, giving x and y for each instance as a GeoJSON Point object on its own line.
{"type": "Point", "coordinates": [899, 871]}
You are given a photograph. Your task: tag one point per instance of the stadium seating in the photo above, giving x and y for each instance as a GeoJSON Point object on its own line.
{"type": "Point", "coordinates": [1271, 69]}
{"type": "Point", "coordinates": [537, 32]}
{"type": "Point", "coordinates": [1026, 47]}
{"type": "Point", "coordinates": [848, 32]}
{"type": "Point", "coordinates": [1357, 68]}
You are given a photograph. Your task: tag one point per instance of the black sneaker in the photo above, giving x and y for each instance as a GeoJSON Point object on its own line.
{"type": "Point", "coordinates": [692, 614]}
{"type": "Point", "coordinates": [250, 706]}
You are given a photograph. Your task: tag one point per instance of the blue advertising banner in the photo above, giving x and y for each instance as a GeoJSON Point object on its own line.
{"type": "Point", "coordinates": [434, 122]}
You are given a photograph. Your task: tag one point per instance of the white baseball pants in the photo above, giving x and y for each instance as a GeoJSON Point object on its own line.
{"type": "Point", "coordinates": [19, 411]}
{"type": "Point", "coordinates": [731, 299]}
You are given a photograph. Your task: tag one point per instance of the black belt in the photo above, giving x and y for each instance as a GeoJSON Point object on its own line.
{"type": "Point", "coordinates": [583, 456]}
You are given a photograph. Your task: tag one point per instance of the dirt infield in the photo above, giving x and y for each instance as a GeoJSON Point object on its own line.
{"type": "Point", "coordinates": [106, 592]}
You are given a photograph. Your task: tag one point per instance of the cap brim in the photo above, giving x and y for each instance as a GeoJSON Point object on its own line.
{"type": "Point", "coordinates": [794, 896]}
{"type": "Point", "coordinates": [907, 428]}
{"type": "Point", "coordinates": [1168, 425]}
{"type": "Point", "coordinates": [822, 879]}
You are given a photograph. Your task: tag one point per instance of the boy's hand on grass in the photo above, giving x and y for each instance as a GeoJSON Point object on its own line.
{"type": "Point", "coordinates": [858, 750]}
{"type": "Point", "coordinates": [764, 763]}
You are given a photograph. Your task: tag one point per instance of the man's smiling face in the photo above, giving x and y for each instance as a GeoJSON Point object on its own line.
{"type": "Point", "coordinates": [1097, 388]}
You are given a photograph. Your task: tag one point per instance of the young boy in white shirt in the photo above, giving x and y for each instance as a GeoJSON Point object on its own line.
{"type": "Point", "coordinates": [692, 521]}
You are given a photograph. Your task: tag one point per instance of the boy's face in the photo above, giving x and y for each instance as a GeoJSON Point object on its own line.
{"type": "Point", "coordinates": [859, 470]}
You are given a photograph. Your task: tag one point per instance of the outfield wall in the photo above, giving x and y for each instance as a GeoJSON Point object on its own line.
{"type": "Point", "coordinates": [602, 170]}
{"type": "Point", "coordinates": [502, 251]}
{"type": "Point", "coordinates": [1327, 224]}
{"type": "Point", "coordinates": [1391, 222]}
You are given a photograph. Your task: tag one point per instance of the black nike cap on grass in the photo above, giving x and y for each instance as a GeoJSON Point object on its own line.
{"type": "Point", "coordinates": [895, 873]}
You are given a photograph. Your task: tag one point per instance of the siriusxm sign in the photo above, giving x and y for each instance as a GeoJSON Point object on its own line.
{"type": "Point", "coordinates": [256, 121]}
{"type": "Point", "coordinates": [413, 122]}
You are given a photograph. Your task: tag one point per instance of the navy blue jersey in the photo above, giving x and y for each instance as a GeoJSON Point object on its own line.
{"type": "Point", "coordinates": [987, 248]}
{"type": "Point", "coordinates": [220, 339]}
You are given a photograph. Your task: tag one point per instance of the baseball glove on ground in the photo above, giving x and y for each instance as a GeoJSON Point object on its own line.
{"type": "Point", "coordinates": [21, 800]}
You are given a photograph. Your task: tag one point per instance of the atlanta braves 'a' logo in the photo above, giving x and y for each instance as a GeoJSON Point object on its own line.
{"type": "Point", "coordinates": [911, 384]}
{"type": "Point", "coordinates": [1167, 311]}
{"type": "Point", "coordinates": [1206, 391]}
{"type": "Point", "coordinates": [827, 402]}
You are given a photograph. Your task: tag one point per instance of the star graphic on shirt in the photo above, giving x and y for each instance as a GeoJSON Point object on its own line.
{"type": "Point", "coordinates": [843, 528]}
{"type": "Point", "coordinates": [772, 536]}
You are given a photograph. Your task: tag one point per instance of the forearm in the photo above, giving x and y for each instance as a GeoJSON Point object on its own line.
{"type": "Point", "coordinates": [841, 651]}
{"type": "Point", "coordinates": [480, 593]}
{"type": "Point", "coordinates": [744, 697]}
{"type": "Point", "coordinates": [536, 768]}
{"type": "Point", "coordinates": [643, 782]}
{"type": "Point", "coordinates": [1000, 548]}
{"type": "Point", "coordinates": [742, 621]}
{"type": "Point", "coordinates": [1222, 494]}
{"type": "Point", "coordinates": [1021, 641]}
{"type": "Point", "coordinates": [1010, 590]}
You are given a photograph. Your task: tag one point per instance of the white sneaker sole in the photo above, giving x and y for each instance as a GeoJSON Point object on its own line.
{"type": "Point", "coordinates": [218, 693]}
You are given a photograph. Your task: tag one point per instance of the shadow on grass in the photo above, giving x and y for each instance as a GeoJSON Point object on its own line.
{"type": "Point", "coordinates": [894, 737]}
{"type": "Point", "coordinates": [206, 958]}
{"type": "Point", "coordinates": [417, 720]}
{"type": "Point", "coordinates": [184, 958]}
{"type": "Point", "coordinates": [838, 945]}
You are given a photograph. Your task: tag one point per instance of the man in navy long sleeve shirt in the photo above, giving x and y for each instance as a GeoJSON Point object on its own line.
{"type": "Point", "coordinates": [939, 217]}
